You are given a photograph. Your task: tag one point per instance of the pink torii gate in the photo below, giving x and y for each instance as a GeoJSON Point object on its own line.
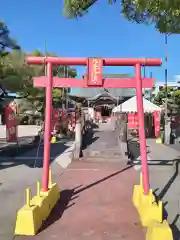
{"type": "Point", "coordinates": [94, 78]}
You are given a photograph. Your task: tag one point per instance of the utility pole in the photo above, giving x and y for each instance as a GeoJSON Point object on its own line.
{"type": "Point", "coordinates": [45, 55]}
{"type": "Point", "coordinates": [45, 74]}
{"type": "Point", "coordinates": [166, 119]}
{"type": "Point", "coordinates": [65, 90]}
{"type": "Point", "coordinates": [144, 75]}
{"type": "Point", "coordinates": [166, 78]}
{"type": "Point", "coordinates": [151, 90]}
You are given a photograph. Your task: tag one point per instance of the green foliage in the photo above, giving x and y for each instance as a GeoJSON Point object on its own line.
{"type": "Point", "coordinates": [176, 97]}
{"type": "Point", "coordinates": [17, 76]}
{"type": "Point", "coordinates": [6, 42]}
{"type": "Point", "coordinates": [36, 53]}
{"type": "Point", "coordinates": [173, 99]}
{"type": "Point", "coordinates": [77, 8]}
{"type": "Point", "coordinates": [165, 14]}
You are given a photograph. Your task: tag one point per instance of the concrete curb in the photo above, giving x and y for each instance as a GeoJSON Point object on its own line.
{"type": "Point", "coordinates": [65, 158]}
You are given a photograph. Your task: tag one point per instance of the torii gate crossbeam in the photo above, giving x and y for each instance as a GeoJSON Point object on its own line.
{"type": "Point", "coordinates": [80, 83]}
{"type": "Point", "coordinates": [94, 78]}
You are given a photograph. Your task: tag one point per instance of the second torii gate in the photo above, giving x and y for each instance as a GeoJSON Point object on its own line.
{"type": "Point", "coordinates": [94, 79]}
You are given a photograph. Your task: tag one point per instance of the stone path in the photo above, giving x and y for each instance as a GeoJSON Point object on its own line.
{"type": "Point", "coordinates": [96, 196]}
{"type": "Point", "coordinates": [102, 145]}
{"type": "Point", "coordinates": [95, 204]}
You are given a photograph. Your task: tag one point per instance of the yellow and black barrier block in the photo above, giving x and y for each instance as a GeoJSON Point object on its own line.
{"type": "Point", "coordinates": [148, 208]}
{"type": "Point", "coordinates": [31, 216]}
{"type": "Point", "coordinates": [151, 214]}
{"type": "Point", "coordinates": [157, 231]}
{"type": "Point", "coordinates": [53, 139]}
{"type": "Point", "coordinates": [159, 140]}
{"type": "Point", "coordinates": [28, 219]}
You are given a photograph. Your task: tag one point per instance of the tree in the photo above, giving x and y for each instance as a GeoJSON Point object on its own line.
{"type": "Point", "coordinates": [17, 76]}
{"type": "Point", "coordinates": [165, 14]}
{"type": "Point", "coordinates": [6, 42]}
{"type": "Point", "coordinates": [173, 97]}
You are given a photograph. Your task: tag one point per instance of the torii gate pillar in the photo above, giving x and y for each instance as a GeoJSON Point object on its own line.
{"type": "Point", "coordinates": [47, 132]}
{"type": "Point", "coordinates": [94, 79]}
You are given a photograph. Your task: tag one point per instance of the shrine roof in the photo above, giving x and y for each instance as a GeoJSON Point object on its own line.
{"type": "Point", "coordinates": [92, 92]}
{"type": "Point", "coordinates": [115, 92]}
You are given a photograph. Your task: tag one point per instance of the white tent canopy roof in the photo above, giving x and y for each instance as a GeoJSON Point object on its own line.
{"type": "Point", "coordinates": [130, 106]}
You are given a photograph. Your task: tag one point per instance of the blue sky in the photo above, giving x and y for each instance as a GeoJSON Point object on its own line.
{"type": "Point", "coordinates": [102, 32]}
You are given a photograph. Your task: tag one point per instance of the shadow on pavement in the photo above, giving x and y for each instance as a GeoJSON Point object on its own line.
{"type": "Point", "coordinates": [88, 139]}
{"type": "Point", "coordinates": [94, 126]}
{"type": "Point", "coordinates": [134, 153]}
{"type": "Point", "coordinates": [175, 230]}
{"type": "Point", "coordinates": [160, 196]}
{"type": "Point", "coordinates": [101, 180]}
{"type": "Point", "coordinates": [30, 154]}
{"type": "Point", "coordinates": [68, 196]}
{"type": "Point", "coordinates": [169, 183]}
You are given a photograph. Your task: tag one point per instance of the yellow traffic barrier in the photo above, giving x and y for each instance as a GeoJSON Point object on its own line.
{"type": "Point", "coordinates": [38, 188]}
{"type": "Point", "coordinates": [138, 192]}
{"type": "Point", "coordinates": [28, 197]}
{"type": "Point", "coordinates": [36, 210]}
{"type": "Point", "coordinates": [53, 139]}
{"type": "Point", "coordinates": [53, 194]}
{"type": "Point", "coordinates": [159, 140]}
{"type": "Point", "coordinates": [157, 231]}
{"type": "Point", "coordinates": [42, 202]}
{"type": "Point", "coordinates": [28, 220]}
{"type": "Point", "coordinates": [149, 210]}
{"type": "Point", "coordinates": [50, 178]}
{"type": "Point", "coordinates": [151, 214]}
{"type": "Point", "coordinates": [47, 200]}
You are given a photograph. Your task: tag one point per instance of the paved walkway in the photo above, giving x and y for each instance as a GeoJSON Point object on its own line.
{"type": "Point", "coordinates": [95, 204]}
{"type": "Point", "coordinates": [164, 173]}
{"type": "Point", "coordinates": [19, 171]}
{"type": "Point", "coordinates": [102, 145]}
{"type": "Point", "coordinates": [96, 198]}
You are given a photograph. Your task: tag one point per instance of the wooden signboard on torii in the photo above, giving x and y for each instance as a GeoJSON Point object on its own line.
{"type": "Point", "coordinates": [94, 78]}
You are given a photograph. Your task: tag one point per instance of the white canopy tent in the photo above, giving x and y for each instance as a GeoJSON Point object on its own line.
{"type": "Point", "coordinates": [130, 106]}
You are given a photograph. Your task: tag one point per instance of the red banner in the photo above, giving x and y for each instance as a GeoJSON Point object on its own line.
{"type": "Point", "coordinates": [94, 76]}
{"type": "Point", "coordinates": [11, 123]}
{"type": "Point", "coordinates": [156, 115]}
{"type": "Point", "coordinates": [132, 121]}
{"type": "Point", "coordinates": [56, 112]}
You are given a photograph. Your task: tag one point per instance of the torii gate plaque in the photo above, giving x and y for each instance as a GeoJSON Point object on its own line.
{"type": "Point", "coordinates": [94, 79]}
